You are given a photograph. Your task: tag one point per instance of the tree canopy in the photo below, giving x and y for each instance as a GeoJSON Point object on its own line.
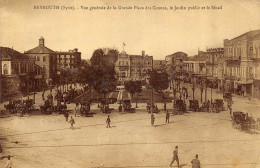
{"type": "Point", "coordinates": [102, 70]}
{"type": "Point", "coordinates": [159, 81]}
{"type": "Point", "coordinates": [133, 87]}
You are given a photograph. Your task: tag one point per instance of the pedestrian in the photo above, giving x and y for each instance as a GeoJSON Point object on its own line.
{"type": "Point", "coordinates": [9, 163]}
{"type": "Point", "coordinates": [195, 162]}
{"type": "Point", "coordinates": [152, 119]}
{"type": "Point", "coordinates": [66, 115]}
{"type": "Point", "coordinates": [167, 117]}
{"type": "Point", "coordinates": [175, 156]}
{"type": "Point", "coordinates": [108, 122]}
{"type": "Point", "coordinates": [76, 110]}
{"type": "Point", "coordinates": [72, 122]}
{"type": "Point", "coordinates": [43, 96]}
{"type": "Point", "coordinates": [164, 106]}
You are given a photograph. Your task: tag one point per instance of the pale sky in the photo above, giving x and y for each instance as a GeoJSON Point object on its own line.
{"type": "Point", "coordinates": [158, 32]}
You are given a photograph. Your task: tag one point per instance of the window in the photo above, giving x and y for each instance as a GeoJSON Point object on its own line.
{"type": "Point", "coordinates": [126, 62]}
{"type": "Point", "coordinates": [251, 48]}
{"type": "Point", "coordinates": [119, 62]}
{"type": "Point", "coordinates": [5, 69]}
{"type": "Point", "coordinates": [38, 58]}
{"type": "Point", "coordinates": [44, 69]}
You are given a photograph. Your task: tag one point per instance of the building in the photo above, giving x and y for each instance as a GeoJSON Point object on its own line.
{"type": "Point", "coordinates": [194, 68]}
{"type": "Point", "coordinates": [214, 66]}
{"type": "Point", "coordinates": [133, 67]}
{"type": "Point", "coordinates": [159, 65]}
{"type": "Point", "coordinates": [241, 66]}
{"type": "Point", "coordinates": [52, 62]}
{"type": "Point", "coordinates": [19, 71]}
{"type": "Point", "coordinates": [174, 62]}
{"type": "Point", "coordinates": [206, 65]}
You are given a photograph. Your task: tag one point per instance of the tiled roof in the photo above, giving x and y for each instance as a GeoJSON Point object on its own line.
{"type": "Point", "coordinates": [250, 34]}
{"type": "Point", "coordinates": [10, 54]}
{"type": "Point", "coordinates": [41, 49]}
{"type": "Point", "coordinates": [178, 54]}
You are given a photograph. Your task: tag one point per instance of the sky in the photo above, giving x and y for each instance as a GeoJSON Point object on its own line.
{"type": "Point", "coordinates": [157, 32]}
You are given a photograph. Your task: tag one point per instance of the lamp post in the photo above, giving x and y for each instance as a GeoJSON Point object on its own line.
{"type": "Point", "coordinates": [201, 90]}
{"type": "Point", "coordinates": [205, 83]}
{"type": "Point", "coordinates": [193, 89]}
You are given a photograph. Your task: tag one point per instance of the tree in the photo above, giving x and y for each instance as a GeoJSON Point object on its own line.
{"type": "Point", "coordinates": [10, 86]}
{"type": "Point", "coordinates": [105, 57]}
{"type": "Point", "coordinates": [133, 87]}
{"type": "Point", "coordinates": [102, 70]}
{"type": "Point", "coordinates": [159, 81]}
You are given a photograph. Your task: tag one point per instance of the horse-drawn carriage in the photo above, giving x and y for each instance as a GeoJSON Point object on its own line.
{"type": "Point", "coordinates": [85, 109]}
{"type": "Point", "coordinates": [10, 107]}
{"type": "Point", "coordinates": [243, 122]}
{"type": "Point", "coordinates": [179, 107]}
{"type": "Point", "coordinates": [20, 106]}
{"type": "Point", "coordinates": [47, 107]}
{"type": "Point", "coordinates": [70, 95]}
{"type": "Point", "coordinates": [218, 105]}
{"type": "Point", "coordinates": [194, 105]}
{"type": "Point", "coordinates": [29, 105]}
{"type": "Point", "coordinates": [126, 106]}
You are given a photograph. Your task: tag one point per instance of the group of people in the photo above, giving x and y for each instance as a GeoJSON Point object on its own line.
{"type": "Point", "coordinates": [155, 108]}
{"type": "Point", "coordinates": [195, 162]}
{"type": "Point", "coordinates": [167, 118]}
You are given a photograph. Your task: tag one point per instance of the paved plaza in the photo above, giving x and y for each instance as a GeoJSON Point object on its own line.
{"type": "Point", "coordinates": [46, 141]}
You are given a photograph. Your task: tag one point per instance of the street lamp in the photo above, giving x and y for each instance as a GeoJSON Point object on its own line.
{"type": "Point", "coordinates": [201, 90]}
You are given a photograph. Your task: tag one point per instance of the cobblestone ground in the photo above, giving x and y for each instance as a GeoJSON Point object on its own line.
{"type": "Point", "coordinates": [47, 141]}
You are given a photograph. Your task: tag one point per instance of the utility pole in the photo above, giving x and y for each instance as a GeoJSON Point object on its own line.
{"type": "Point", "coordinates": [212, 76]}
{"type": "Point", "coordinates": [206, 86]}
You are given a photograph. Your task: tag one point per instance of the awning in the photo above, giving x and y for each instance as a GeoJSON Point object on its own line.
{"type": "Point", "coordinates": [123, 95]}
{"type": "Point", "coordinates": [89, 95]}
{"type": "Point", "coordinates": [113, 95]}
{"type": "Point", "coordinates": [245, 82]}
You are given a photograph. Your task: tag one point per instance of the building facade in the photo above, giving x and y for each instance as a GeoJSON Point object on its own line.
{"type": "Point", "coordinates": [159, 65]}
{"type": "Point", "coordinates": [19, 71]}
{"type": "Point", "coordinates": [206, 65]}
{"type": "Point", "coordinates": [133, 67]}
{"type": "Point", "coordinates": [241, 63]}
{"type": "Point", "coordinates": [52, 62]}
{"type": "Point", "coordinates": [174, 62]}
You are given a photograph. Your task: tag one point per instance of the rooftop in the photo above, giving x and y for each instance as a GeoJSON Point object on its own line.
{"type": "Point", "coordinates": [10, 54]}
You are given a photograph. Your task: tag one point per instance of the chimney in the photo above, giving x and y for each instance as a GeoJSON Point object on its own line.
{"type": "Point", "coordinates": [41, 41]}
{"type": "Point", "coordinates": [143, 53]}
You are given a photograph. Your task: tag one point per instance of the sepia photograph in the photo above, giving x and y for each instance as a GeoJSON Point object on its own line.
{"type": "Point", "coordinates": [129, 83]}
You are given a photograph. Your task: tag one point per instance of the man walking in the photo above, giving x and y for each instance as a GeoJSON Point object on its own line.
{"type": "Point", "coordinates": [195, 162]}
{"type": "Point", "coordinates": [167, 117]}
{"type": "Point", "coordinates": [66, 115]}
{"type": "Point", "coordinates": [76, 110]}
{"type": "Point", "coordinates": [152, 119]}
{"type": "Point", "coordinates": [175, 156]}
{"type": "Point", "coordinates": [72, 122]}
{"type": "Point", "coordinates": [108, 122]}
{"type": "Point", "coordinates": [9, 163]}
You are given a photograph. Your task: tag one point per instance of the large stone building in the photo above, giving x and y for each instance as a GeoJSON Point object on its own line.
{"type": "Point", "coordinates": [241, 67]}
{"type": "Point", "coordinates": [159, 65]}
{"type": "Point", "coordinates": [133, 67]}
{"type": "Point", "coordinates": [52, 62]}
{"type": "Point", "coordinates": [174, 62]}
{"type": "Point", "coordinates": [206, 65]}
{"type": "Point", "coordinates": [19, 70]}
